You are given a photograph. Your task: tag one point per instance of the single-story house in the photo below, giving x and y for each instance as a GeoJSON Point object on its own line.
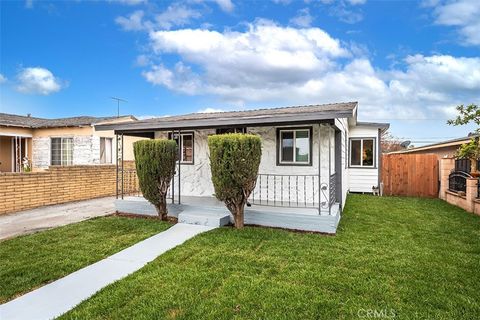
{"type": "Point", "coordinates": [444, 149]}
{"type": "Point", "coordinates": [312, 156]}
{"type": "Point", "coordinates": [65, 141]}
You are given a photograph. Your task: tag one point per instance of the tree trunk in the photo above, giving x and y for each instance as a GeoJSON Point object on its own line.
{"type": "Point", "coordinates": [162, 209]}
{"type": "Point", "coordinates": [239, 217]}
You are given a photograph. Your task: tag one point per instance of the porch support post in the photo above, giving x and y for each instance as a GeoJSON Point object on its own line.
{"type": "Point", "coordinates": [116, 166]}
{"type": "Point", "coordinates": [329, 170]}
{"type": "Point", "coordinates": [180, 147]}
{"type": "Point", "coordinates": [319, 169]}
{"type": "Point", "coordinates": [122, 165]}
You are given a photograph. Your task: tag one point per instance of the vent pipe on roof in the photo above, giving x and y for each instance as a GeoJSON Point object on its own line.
{"type": "Point", "coordinates": [29, 115]}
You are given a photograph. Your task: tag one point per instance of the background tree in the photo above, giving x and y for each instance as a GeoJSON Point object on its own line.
{"type": "Point", "coordinates": [234, 162]}
{"type": "Point", "coordinates": [468, 114]}
{"type": "Point", "coordinates": [155, 163]}
{"type": "Point", "coordinates": [390, 143]}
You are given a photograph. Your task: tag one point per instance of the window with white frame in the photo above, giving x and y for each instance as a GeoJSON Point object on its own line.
{"type": "Point", "coordinates": [294, 146]}
{"type": "Point", "coordinates": [362, 152]}
{"type": "Point", "coordinates": [106, 150]}
{"type": "Point", "coordinates": [185, 145]}
{"type": "Point", "coordinates": [61, 151]}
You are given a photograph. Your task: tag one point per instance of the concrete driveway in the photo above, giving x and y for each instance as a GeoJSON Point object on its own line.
{"type": "Point", "coordinates": [38, 219]}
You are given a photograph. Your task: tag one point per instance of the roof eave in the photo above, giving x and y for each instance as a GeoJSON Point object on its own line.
{"type": "Point", "coordinates": [222, 122]}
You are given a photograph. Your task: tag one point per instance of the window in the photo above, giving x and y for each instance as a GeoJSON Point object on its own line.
{"type": "Point", "coordinates": [362, 152]}
{"type": "Point", "coordinates": [294, 146]}
{"type": "Point", "coordinates": [231, 130]}
{"type": "Point", "coordinates": [186, 146]}
{"type": "Point", "coordinates": [106, 150]}
{"type": "Point", "coordinates": [62, 151]}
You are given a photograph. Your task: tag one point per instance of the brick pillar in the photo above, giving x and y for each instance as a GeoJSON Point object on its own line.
{"type": "Point", "coordinates": [446, 166]}
{"type": "Point", "coordinates": [471, 193]}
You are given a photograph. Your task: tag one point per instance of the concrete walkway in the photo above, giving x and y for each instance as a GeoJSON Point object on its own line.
{"type": "Point", "coordinates": [42, 218]}
{"type": "Point", "coordinates": [58, 297]}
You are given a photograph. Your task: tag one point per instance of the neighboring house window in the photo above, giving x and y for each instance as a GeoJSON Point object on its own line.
{"type": "Point", "coordinates": [231, 130]}
{"type": "Point", "coordinates": [186, 146]}
{"type": "Point", "coordinates": [106, 150]}
{"type": "Point", "coordinates": [362, 152]}
{"type": "Point", "coordinates": [62, 151]}
{"type": "Point", "coordinates": [294, 146]}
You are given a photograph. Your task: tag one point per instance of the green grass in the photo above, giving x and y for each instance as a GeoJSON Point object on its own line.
{"type": "Point", "coordinates": [27, 262]}
{"type": "Point", "coordinates": [408, 257]}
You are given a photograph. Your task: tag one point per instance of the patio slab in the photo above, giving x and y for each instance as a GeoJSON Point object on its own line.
{"type": "Point", "coordinates": [58, 297]}
{"type": "Point", "coordinates": [47, 217]}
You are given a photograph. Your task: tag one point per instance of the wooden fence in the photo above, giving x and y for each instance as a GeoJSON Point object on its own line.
{"type": "Point", "coordinates": [410, 175]}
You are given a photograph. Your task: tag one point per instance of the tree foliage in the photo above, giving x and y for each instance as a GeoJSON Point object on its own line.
{"type": "Point", "coordinates": [467, 114]}
{"type": "Point", "coordinates": [155, 163]}
{"type": "Point", "coordinates": [390, 143]}
{"type": "Point", "coordinates": [234, 161]}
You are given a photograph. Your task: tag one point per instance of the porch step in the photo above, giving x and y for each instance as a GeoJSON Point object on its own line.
{"type": "Point", "coordinates": [204, 217]}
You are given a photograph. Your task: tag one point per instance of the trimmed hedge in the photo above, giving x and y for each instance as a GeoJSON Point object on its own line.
{"type": "Point", "coordinates": [155, 163]}
{"type": "Point", "coordinates": [234, 162]}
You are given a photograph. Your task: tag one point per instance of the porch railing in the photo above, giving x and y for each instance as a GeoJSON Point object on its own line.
{"type": "Point", "coordinates": [300, 191]}
{"type": "Point", "coordinates": [297, 191]}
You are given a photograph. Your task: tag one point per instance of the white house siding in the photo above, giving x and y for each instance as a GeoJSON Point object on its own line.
{"type": "Point", "coordinates": [196, 178]}
{"type": "Point", "coordinates": [363, 179]}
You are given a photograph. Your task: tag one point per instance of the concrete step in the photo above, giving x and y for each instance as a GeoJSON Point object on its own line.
{"type": "Point", "coordinates": [204, 217]}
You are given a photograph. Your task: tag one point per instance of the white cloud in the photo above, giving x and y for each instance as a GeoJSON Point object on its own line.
{"type": "Point", "coordinates": [463, 14]}
{"type": "Point", "coordinates": [38, 81]}
{"type": "Point", "coordinates": [3, 79]}
{"type": "Point", "coordinates": [225, 5]}
{"type": "Point", "coordinates": [285, 65]}
{"type": "Point", "coordinates": [303, 18]}
{"type": "Point", "coordinates": [142, 60]}
{"type": "Point", "coordinates": [210, 110]}
{"type": "Point", "coordinates": [134, 22]}
{"type": "Point", "coordinates": [129, 2]}
{"type": "Point", "coordinates": [176, 15]}
{"type": "Point", "coordinates": [356, 2]}
{"type": "Point", "coordinates": [29, 4]}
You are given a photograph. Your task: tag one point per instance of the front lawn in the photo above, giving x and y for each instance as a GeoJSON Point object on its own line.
{"type": "Point", "coordinates": [27, 262]}
{"type": "Point", "coordinates": [402, 257]}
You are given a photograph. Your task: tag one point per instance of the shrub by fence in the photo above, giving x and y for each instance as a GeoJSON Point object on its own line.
{"type": "Point", "coordinates": [21, 191]}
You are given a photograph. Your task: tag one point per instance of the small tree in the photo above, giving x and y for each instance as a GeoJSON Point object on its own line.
{"type": "Point", "coordinates": [467, 114]}
{"type": "Point", "coordinates": [155, 163]}
{"type": "Point", "coordinates": [234, 161]}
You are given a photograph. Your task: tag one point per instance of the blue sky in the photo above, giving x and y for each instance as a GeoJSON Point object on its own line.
{"type": "Point", "coordinates": [408, 63]}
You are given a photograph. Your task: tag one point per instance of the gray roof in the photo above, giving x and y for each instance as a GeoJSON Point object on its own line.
{"type": "Point", "coordinates": [380, 125]}
{"type": "Point", "coordinates": [13, 120]}
{"type": "Point", "coordinates": [296, 114]}
{"type": "Point", "coordinates": [442, 144]}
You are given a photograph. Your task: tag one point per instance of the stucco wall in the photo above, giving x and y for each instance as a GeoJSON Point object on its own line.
{"type": "Point", "coordinates": [196, 178]}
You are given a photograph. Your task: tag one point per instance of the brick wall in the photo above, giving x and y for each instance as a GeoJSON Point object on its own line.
{"type": "Point", "coordinates": [467, 200]}
{"type": "Point", "coordinates": [21, 191]}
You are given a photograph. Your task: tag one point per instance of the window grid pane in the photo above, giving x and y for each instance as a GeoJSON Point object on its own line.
{"type": "Point", "coordinates": [302, 146]}
{"type": "Point", "coordinates": [367, 152]}
{"type": "Point", "coordinates": [187, 148]}
{"type": "Point", "coordinates": [355, 152]}
{"type": "Point", "coordinates": [287, 145]}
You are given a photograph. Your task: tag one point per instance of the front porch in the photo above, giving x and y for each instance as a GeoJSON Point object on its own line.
{"type": "Point", "coordinates": [211, 212]}
{"type": "Point", "coordinates": [299, 185]}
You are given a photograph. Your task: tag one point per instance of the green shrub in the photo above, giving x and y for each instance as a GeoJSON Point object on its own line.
{"type": "Point", "coordinates": [155, 163]}
{"type": "Point", "coordinates": [234, 161]}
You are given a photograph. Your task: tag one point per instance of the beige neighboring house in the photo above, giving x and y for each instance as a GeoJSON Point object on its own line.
{"type": "Point", "coordinates": [444, 149]}
{"type": "Point", "coordinates": [65, 141]}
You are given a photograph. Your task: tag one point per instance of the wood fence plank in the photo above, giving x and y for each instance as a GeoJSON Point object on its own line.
{"type": "Point", "coordinates": [410, 175]}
